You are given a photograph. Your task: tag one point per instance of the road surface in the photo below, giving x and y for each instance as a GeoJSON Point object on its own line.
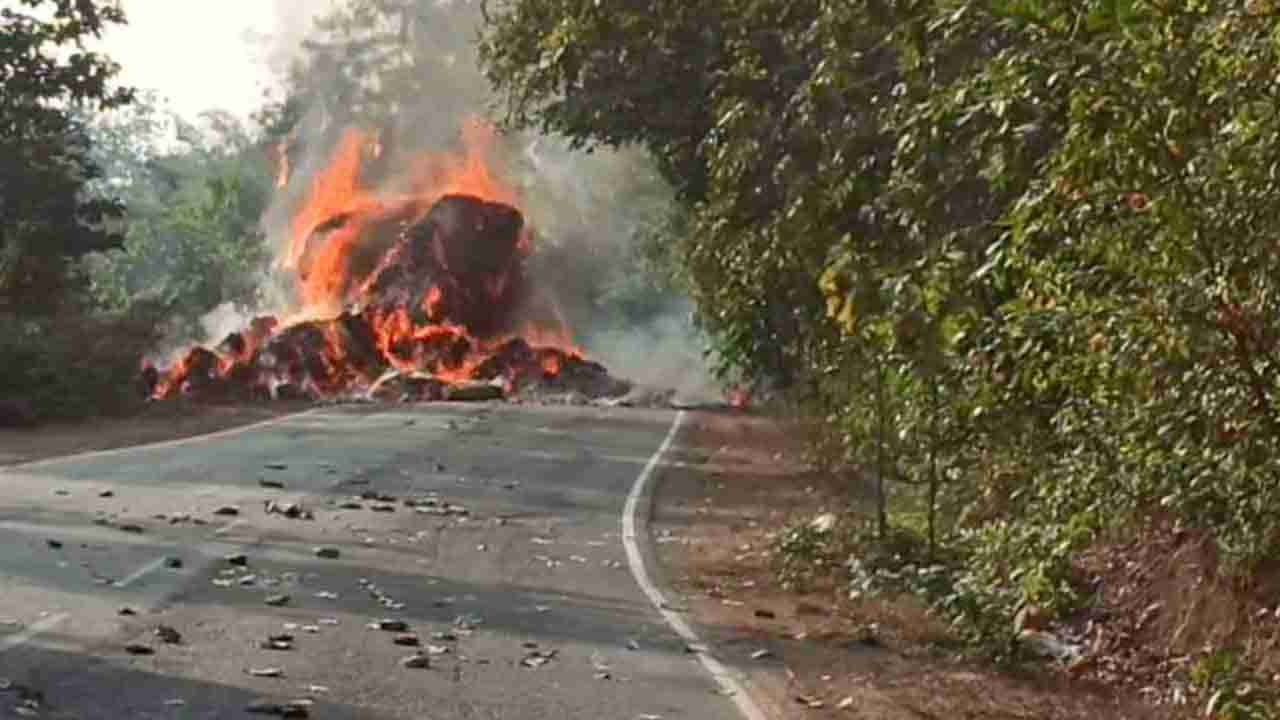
{"type": "Point", "coordinates": [525, 606]}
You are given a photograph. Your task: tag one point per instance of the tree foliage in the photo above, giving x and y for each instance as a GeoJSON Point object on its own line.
{"type": "Point", "coordinates": [196, 194]}
{"type": "Point", "coordinates": [46, 217]}
{"type": "Point", "coordinates": [1020, 253]}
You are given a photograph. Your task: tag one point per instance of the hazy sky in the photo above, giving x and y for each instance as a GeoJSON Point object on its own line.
{"type": "Point", "coordinates": [209, 55]}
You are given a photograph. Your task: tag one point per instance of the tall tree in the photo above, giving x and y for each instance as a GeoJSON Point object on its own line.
{"type": "Point", "coordinates": [46, 217]}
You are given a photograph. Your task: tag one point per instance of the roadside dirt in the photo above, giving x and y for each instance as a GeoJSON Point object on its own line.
{"type": "Point", "coordinates": [169, 420]}
{"type": "Point", "coordinates": [827, 657]}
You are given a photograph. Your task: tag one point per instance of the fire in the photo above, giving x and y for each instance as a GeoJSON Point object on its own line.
{"type": "Point", "coordinates": [425, 280]}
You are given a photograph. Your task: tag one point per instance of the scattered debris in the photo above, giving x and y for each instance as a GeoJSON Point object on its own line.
{"type": "Point", "coordinates": [291, 510]}
{"type": "Point", "coordinates": [291, 709]}
{"type": "Point", "coordinates": [537, 658]}
{"type": "Point", "coordinates": [283, 641]}
{"type": "Point", "coordinates": [810, 702]}
{"type": "Point", "coordinates": [417, 662]}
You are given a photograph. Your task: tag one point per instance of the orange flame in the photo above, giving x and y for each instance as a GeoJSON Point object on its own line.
{"type": "Point", "coordinates": [326, 237]}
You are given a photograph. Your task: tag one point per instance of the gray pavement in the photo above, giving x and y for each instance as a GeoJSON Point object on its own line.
{"type": "Point", "coordinates": [527, 598]}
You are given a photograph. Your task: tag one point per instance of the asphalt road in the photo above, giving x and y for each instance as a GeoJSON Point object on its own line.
{"type": "Point", "coordinates": [525, 606]}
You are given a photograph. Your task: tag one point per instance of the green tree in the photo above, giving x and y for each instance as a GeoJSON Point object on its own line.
{"type": "Point", "coordinates": [196, 194]}
{"type": "Point", "coordinates": [46, 217]}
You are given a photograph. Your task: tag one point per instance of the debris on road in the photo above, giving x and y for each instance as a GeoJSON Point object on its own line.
{"type": "Point", "coordinates": [537, 658]}
{"type": "Point", "coordinates": [292, 709]}
{"type": "Point", "coordinates": [291, 510]}
{"type": "Point", "coordinates": [811, 703]}
{"type": "Point", "coordinates": [283, 641]}
{"type": "Point", "coordinates": [417, 662]}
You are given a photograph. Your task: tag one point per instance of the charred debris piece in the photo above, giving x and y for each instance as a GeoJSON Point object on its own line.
{"type": "Point", "coordinates": [433, 315]}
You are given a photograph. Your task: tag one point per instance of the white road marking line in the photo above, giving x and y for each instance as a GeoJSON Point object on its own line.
{"type": "Point", "coordinates": [31, 631]}
{"type": "Point", "coordinates": [729, 685]}
{"type": "Point", "coordinates": [140, 573]}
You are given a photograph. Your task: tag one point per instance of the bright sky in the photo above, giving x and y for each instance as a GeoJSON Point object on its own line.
{"type": "Point", "coordinates": [209, 55]}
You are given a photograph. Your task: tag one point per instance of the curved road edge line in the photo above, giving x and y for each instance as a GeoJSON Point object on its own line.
{"type": "Point", "coordinates": [190, 439]}
{"type": "Point", "coordinates": [729, 684]}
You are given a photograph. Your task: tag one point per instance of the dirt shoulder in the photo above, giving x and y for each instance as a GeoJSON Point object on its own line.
{"type": "Point", "coordinates": [160, 422]}
{"type": "Point", "coordinates": [827, 657]}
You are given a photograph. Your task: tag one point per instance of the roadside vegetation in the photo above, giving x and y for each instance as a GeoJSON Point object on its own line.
{"type": "Point", "coordinates": [1016, 256]}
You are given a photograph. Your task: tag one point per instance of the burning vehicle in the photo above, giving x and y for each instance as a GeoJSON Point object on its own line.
{"type": "Point", "coordinates": [418, 295]}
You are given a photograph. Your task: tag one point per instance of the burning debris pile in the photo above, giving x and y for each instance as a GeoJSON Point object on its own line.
{"type": "Point", "coordinates": [432, 305]}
